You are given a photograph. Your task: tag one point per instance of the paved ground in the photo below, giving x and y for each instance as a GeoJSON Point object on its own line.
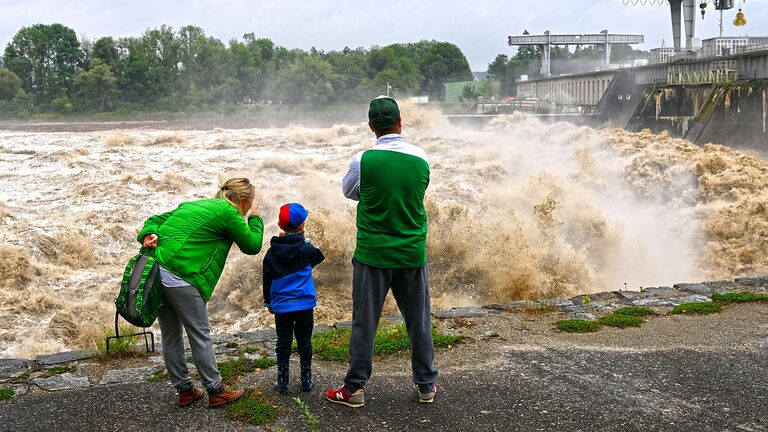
{"type": "Point", "coordinates": [672, 374]}
{"type": "Point", "coordinates": [524, 390]}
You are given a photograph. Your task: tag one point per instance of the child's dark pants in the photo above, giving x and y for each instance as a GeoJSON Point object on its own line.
{"type": "Point", "coordinates": [297, 323]}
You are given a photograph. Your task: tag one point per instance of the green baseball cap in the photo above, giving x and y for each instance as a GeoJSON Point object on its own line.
{"type": "Point", "coordinates": [383, 112]}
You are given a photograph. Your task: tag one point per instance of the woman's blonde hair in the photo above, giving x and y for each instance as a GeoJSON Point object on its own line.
{"type": "Point", "coordinates": [234, 189]}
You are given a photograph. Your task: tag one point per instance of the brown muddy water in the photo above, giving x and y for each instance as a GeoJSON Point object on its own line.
{"type": "Point", "coordinates": [518, 209]}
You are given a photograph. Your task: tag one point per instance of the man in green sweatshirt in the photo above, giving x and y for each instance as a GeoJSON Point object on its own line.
{"type": "Point", "coordinates": [389, 181]}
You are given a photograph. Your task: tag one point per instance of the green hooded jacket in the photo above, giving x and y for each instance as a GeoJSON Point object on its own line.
{"type": "Point", "coordinates": [194, 240]}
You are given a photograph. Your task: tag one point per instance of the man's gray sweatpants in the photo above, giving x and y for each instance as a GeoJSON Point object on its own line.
{"type": "Point", "coordinates": [410, 288]}
{"type": "Point", "coordinates": [184, 308]}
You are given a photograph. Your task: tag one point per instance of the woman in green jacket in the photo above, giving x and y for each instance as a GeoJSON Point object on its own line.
{"type": "Point", "coordinates": [191, 244]}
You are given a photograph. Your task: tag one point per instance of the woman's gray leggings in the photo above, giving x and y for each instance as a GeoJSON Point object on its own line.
{"type": "Point", "coordinates": [183, 307]}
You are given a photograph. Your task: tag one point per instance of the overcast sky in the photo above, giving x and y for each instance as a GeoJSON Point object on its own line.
{"type": "Point", "coordinates": [479, 28]}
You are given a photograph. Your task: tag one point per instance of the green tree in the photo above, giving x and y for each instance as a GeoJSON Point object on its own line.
{"type": "Point", "coordinates": [10, 84]}
{"type": "Point", "coordinates": [309, 80]}
{"type": "Point", "coordinates": [245, 71]}
{"type": "Point", "coordinates": [139, 79]}
{"type": "Point", "coordinates": [400, 84]}
{"type": "Point", "coordinates": [106, 50]}
{"type": "Point", "coordinates": [499, 70]}
{"type": "Point", "coordinates": [443, 62]}
{"type": "Point", "coordinates": [349, 69]}
{"type": "Point", "coordinates": [262, 48]}
{"type": "Point", "coordinates": [95, 87]}
{"type": "Point", "coordinates": [468, 93]}
{"type": "Point", "coordinates": [388, 66]}
{"type": "Point", "coordinates": [46, 58]}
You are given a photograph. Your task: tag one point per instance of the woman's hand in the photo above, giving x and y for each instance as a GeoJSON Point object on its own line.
{"type": "Point", "coordinates": [150, 241]}
{"type": "Point", "coordinates": [254, 210]}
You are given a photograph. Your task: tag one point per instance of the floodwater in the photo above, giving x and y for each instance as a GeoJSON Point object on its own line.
{"type": "Point", "coordinates": [518, 209]}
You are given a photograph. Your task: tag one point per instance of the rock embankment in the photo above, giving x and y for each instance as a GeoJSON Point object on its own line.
{"type": "Point", "coordinates": [87, 368]}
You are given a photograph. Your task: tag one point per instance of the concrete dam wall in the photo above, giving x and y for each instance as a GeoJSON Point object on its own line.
{"type": "Point", "coordinates": [733, 114]}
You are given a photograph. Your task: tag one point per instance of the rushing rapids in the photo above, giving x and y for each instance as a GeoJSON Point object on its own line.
{"type": "Point", "coordinates": [518, 209]}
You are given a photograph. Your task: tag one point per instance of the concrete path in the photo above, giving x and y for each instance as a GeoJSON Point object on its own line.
{"type": "Point", "coordinates": [521, 390]}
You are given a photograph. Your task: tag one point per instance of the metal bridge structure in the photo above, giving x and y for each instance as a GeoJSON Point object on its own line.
{"type": "Point", "coordinates": [546, 40]}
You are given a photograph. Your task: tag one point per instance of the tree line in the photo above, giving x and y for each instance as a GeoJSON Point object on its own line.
{"type": "Point", "coordinates": [46, 68]}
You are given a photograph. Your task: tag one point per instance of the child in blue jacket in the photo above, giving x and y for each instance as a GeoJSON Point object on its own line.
{"type": "Point", "coordinates": [289, 292]}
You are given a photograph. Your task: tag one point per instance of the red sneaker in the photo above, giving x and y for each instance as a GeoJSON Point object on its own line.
{"type": "Point", "coordinates": [340, 396]}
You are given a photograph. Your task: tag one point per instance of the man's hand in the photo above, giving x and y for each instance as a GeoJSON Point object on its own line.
{"type": "Point", "coordinates": [150, 241]}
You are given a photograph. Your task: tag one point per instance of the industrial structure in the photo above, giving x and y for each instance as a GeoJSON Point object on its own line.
{"type": "Point", "coordinates": [723, 46]}
{"type": "Point", "coordinates": [546, 40]}
{"type": "Point", "coordinates": [718, 93]}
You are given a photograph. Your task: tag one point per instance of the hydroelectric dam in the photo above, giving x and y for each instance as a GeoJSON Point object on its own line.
{"type": "Point", "coordinates": [717, 98]}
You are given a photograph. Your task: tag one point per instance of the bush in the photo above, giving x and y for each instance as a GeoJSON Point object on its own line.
{"type": "Point", "coordinates": [634, 311]}
{"type": "Point", "coordinates": [703, 308]}
{"type": "Point", "coordinates": [62, 105]}
{"type": "Point", "coordinates": [577, 326]}
{"type": "Point", "coordinates": [740, 297]}
{"type": "Point", "coordinates": [621, 321]}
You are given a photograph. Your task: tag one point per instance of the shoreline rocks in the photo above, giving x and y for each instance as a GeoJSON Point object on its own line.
{"type": "Point", "coordinates": [19, 373]}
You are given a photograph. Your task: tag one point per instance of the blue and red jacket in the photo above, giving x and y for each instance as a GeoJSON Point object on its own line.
{"type": "Point", "coordinates": [288, 282]}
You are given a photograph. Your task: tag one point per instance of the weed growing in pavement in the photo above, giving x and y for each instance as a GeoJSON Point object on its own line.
{"type": "Point", "coordinates": [739, 297]}
{"type": "Point", "coordinates": [539, 309]}
{"type": "Point", "coordinates": [634, 311]}
{"type": "Point", "coordinates": [158, 376]}
{"type": "Point", "coordinates": [702, 308]}
{"type": "Point", "coordinates": [231, 345]}
{"type": "Point", "coordinates": [253, 408]}
{"type": "Point", "coordinates": [621, 321]}
{"type": "Point", "coordinates": [310, 419]}
{"type": "Point", "coordinates": [6, 393]}
{"type": "Point", "coordinates": [264, 362]}
{"type": "Point", "coordinates": [123, 347]}
{"type": "Point", "coordinates": [20, 377]}
{"type": "Point", "coordinates": [231, 370]}
{"type": "Point", "coordinates": [334, 344]}
{"type": "Point", "coordinates": [249, 350]}
{"type": "Point", "coordinates": [58, 370]}
{"type": "Point", "coordinates": [577, 326]}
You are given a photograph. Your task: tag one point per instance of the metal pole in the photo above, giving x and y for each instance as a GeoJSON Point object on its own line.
{"type": "Point", "coordinates": [507, 78]}
{"type": "Point", "coordinates": [675, 8]}
{"type": "Point", "coordinates": [721, 23]}
{"type": "Point", "coordinates": [689, 14]}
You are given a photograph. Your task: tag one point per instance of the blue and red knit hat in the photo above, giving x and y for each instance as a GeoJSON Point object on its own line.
{"type": "Point", "coordinates": [291, 216]}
